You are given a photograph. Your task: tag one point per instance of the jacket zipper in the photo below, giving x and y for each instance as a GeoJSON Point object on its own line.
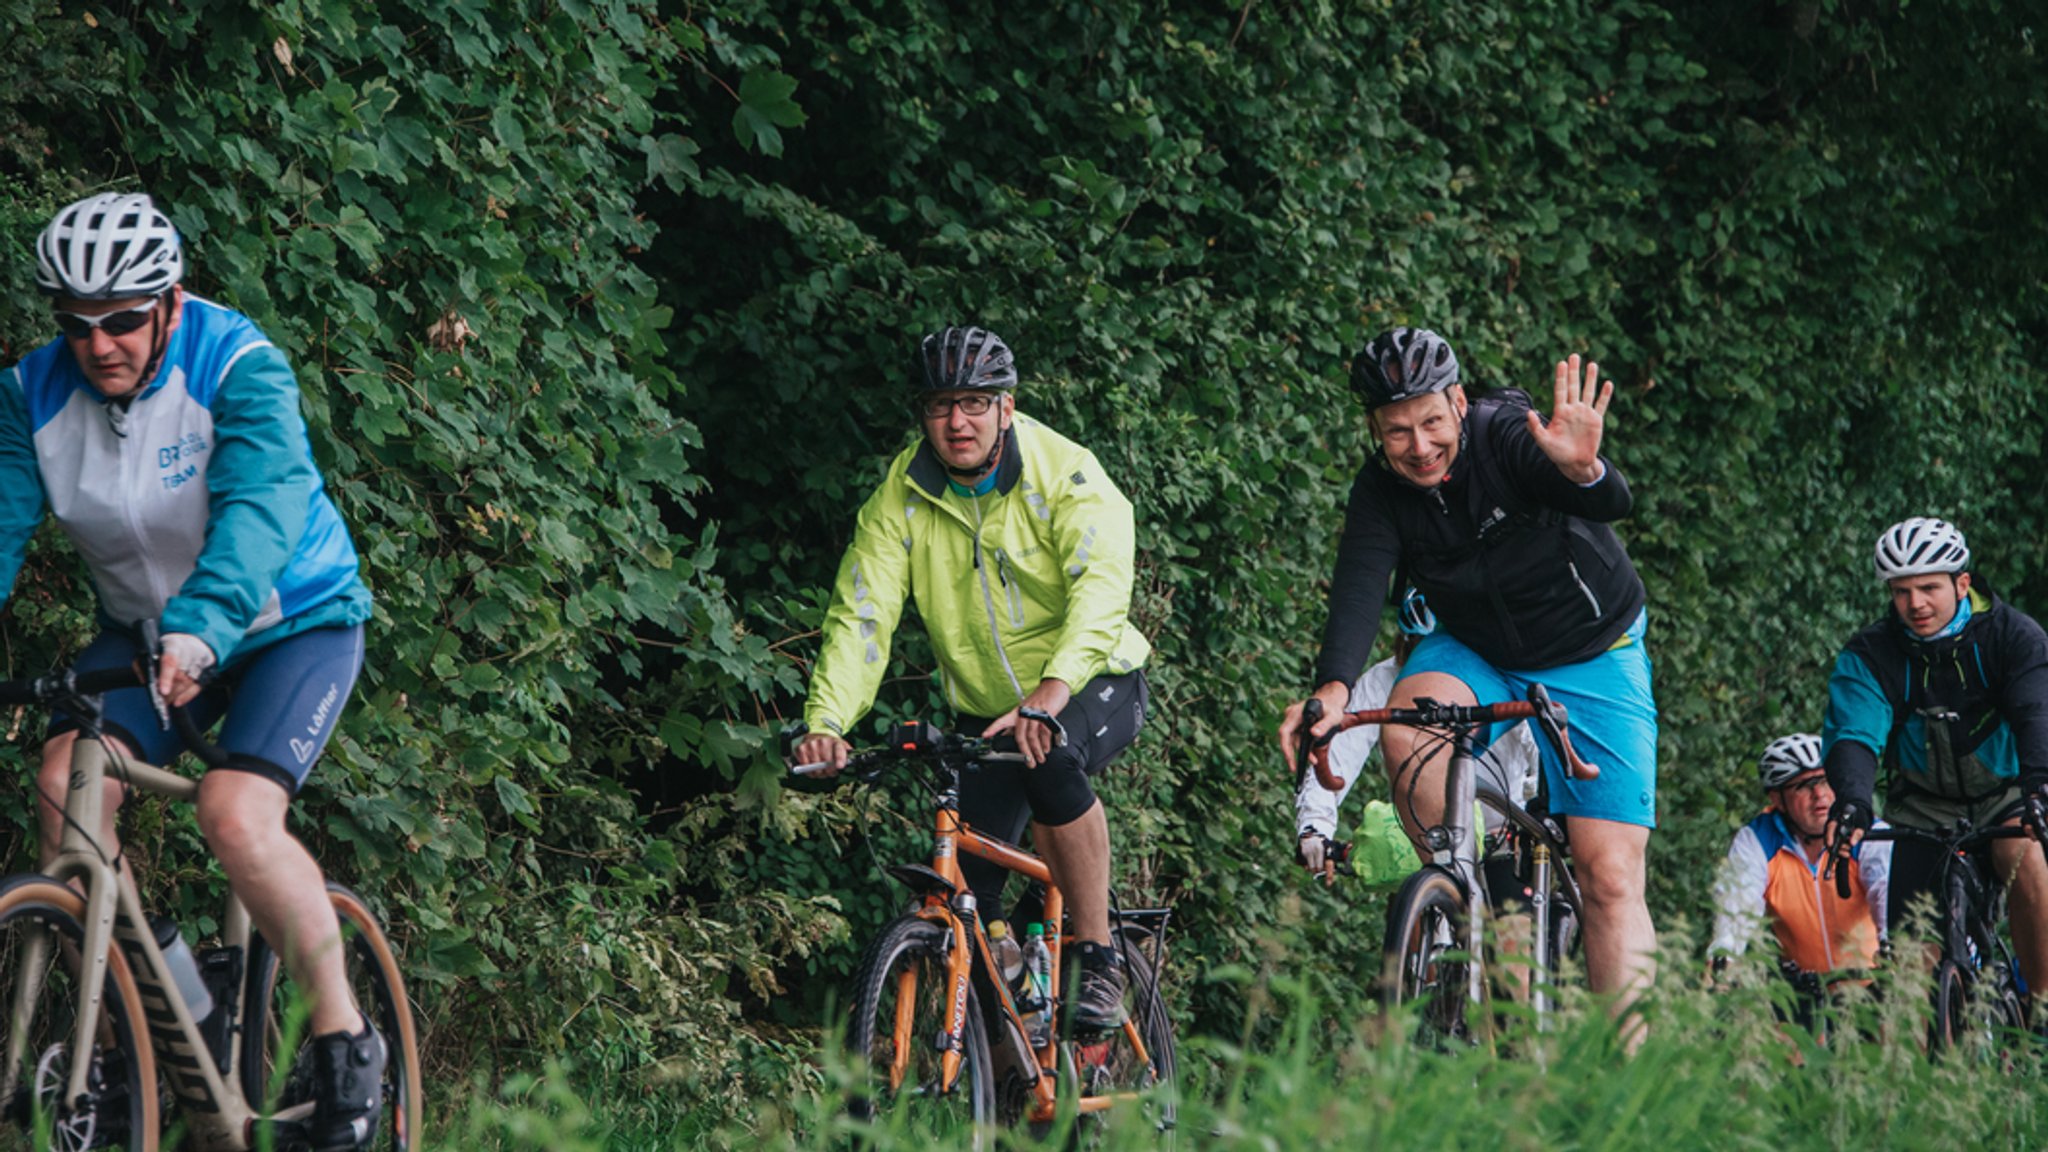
{"type": "Point", "coordinates": [1015, 590]}
{"type": "Point", "coordinates": [1590, 598]}
{"type": "Point", "coordinates": [988, 601]}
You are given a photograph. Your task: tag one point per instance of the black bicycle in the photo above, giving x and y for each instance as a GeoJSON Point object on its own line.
{"type": "Point", "coordinates": [1976, 986]}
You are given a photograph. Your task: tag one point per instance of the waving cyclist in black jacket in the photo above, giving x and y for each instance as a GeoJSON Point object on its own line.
{"type": "Point", "coordinates": [1500, 518]}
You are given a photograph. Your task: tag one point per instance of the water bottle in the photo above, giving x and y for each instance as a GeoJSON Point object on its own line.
{"type": "Point", "coordinates": [184, 970]}
{"type": "Point", "coordinates": [1006, 953]}
{"type": "Point", "coordinates": [1037, 997]}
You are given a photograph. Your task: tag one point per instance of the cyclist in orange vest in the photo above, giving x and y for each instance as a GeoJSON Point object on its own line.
{"type": "Point", "coordinates": [1773, 874]}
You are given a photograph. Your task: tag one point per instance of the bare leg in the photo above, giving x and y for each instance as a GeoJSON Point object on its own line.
{"type": "Point", "coordinates": [2026, 875]}
{"type": "Point", "coordinates": [1420, 783]}
{"type": "Point", "coordinates": [1077, 853]}
{"type": "Point", "coordinates": [1609, 860]}
{"type": "Point", "coordinates": [242, 816]}
{"type": "Point", "coordinates": [53, 783]}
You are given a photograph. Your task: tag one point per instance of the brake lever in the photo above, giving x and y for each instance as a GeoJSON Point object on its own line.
{"type": "Point", "coordinates": [1311, 711]}
{"type": "Point", "coordinates": [153, 655]}
{"type": "Point", "coordinates": [1553, 719]}
{"type": "Point", "coordinates": [1059, 731]}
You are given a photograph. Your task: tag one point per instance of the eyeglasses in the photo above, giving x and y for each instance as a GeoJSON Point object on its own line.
{"type": "Point", "coordinates": [974, 404]}
{"type": "Point", "coordinates": [118, 323]}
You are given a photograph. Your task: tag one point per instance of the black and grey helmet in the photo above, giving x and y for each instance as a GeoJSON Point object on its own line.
{"type": "Point", "coordinates": [969, 358]}
{"type": "Point", "coordinates": [1401, 365]}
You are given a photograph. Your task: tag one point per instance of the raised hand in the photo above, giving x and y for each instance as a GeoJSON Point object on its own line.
{"type": "Point", "coordinates": [1578, 414]}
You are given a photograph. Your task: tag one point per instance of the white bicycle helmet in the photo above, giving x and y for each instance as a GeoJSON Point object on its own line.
{"type": "Point", "coordinates": [1787, 759]}
{"type": "Point", "coordinates": [1920, 546]}
{"type": "Point", "coordinates": [113, 246]}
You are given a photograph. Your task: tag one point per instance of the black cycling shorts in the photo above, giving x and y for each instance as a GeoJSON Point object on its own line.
{"type": "Point", "coordinates": [1101, 720]}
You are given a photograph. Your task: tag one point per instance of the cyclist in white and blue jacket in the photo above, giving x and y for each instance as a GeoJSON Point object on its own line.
{"type": "Point", "coordinates": [162, 431]}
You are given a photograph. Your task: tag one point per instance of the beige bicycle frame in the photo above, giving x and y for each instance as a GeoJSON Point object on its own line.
{"type": "Point", "coordinates": [217, 1116]}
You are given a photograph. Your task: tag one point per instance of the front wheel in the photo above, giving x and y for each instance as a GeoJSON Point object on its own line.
{"type": "Point", "coordinates": [1951, 1007]}
{"type": "Point", "coordinates": [1425, 960]}
{"type": "Point", "coordinates": [899, 1040]}
{"type": "Point", "coordinates": [41, 938]}
{"type": "Point", "coordinates": [277, 1060]}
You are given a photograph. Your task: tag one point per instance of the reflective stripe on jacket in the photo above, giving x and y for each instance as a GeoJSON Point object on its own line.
{"type": "Point", "coordinates": [1029, 582]}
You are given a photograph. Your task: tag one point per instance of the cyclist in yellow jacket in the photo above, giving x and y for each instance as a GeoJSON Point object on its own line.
{"type": "Point", "coordinates": [1017, 550]}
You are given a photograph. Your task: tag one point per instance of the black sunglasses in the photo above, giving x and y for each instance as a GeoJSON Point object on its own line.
{"type": "Point", "coordinates": [121, 323]}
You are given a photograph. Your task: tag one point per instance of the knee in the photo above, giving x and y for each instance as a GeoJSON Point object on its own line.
{"type": "Point", "coordinates": [1059, 791]}
{"type": "Point", "coordinates": [237, 826]}
{"type": "Point", "coordinates": [1612, 881]}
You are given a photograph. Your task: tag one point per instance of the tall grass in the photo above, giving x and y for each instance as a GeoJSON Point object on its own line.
{"type": "Point", "coordinates": [1715, 1070]}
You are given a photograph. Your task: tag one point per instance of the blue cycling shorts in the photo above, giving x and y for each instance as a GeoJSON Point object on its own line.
{"type": "Point", "coordinates": [1612, 713]}
{"type": "Point", "coordinates": [281, 704]}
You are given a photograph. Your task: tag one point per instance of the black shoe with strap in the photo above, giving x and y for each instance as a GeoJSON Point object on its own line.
{"type": "Point", "coordinates": [1099, 1000]}
{"type": "Point", "coordinates": [348, 1089]}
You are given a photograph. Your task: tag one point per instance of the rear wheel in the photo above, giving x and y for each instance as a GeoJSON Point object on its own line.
{"type": "Point", "coordinates": [899, 1038]}
{"type": "Point", "coordinates": [1425, 961]}
{"type": "Point", "coordinates": [277, 1060]}
{"type": "Point", "coordinates": [41, 937]}
{"type": "Point", "coordinates": [1132, 1066]}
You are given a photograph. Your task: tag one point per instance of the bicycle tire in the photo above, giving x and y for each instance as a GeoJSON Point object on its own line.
{"type": "Point", "coordinates": [1951, 1007]}
{"type": "Point", "coordinates": [900, 1010]}
{"type": "Point", "coordinates": [379, 990]}
{"type": "Point", "coordinates": [1110, 1064]}
{"type": "Point", "coordinates": [36, 907]}
{"type": "Point", "coordinates": [1424, 959]}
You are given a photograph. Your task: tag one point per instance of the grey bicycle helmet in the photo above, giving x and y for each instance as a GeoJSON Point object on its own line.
{"type": "Point", "coordinates": [1787, 759]}
{"type": "Point", "coordinates": [109, 247]}
{"type": "Point", "coordinates": [1920, 546]}
{"type": "Point", "coordinates": [1401, 365]}
{"type": "Point", "coordinates": [965, 358]}
{"type": "Point", "coordinates": [1415, 618]}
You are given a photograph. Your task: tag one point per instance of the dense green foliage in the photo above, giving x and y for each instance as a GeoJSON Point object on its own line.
{"type": "Point", "coordinates": [1804, 252]}
{"type": "Point", "coordinates": [603, 311]}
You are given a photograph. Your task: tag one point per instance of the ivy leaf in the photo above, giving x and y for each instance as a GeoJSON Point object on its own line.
{"type": "Point", "coordinates": [670, 159]}
{"type": "Point", "coordinates": [765, 108]}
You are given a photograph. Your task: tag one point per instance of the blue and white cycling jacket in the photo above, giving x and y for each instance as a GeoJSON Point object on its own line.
{"type": "Point", "coordinates": [202, 508]}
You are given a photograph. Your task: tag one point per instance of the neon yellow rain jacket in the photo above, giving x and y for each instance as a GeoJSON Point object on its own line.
{"type": "Point", "coordinates": [1030, 582]}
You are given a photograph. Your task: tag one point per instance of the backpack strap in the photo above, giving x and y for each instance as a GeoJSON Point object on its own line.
{"type": "Point", "coordinates": [1492, 499]}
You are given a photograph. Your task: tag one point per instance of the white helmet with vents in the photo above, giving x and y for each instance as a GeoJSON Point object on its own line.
{"type": "Point", "coordinates": [113, 246]}
{"type": "Point", "coordinates": [1788, 758]}
{"type": "Point", "coordinates": [1920, 546]}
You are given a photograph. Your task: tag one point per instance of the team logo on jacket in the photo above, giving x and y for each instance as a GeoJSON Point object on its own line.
{"type": "Point", "coordinates": [178, 464]}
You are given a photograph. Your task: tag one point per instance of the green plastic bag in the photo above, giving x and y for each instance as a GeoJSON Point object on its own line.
{"type": "Point", "coordinates": [1381, 855]}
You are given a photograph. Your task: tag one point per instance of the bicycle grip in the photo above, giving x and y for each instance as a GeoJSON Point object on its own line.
{"type": "Point", "coordinates": [1311, 711]}
{"type": "Point", "coordinates": [1841, 864]}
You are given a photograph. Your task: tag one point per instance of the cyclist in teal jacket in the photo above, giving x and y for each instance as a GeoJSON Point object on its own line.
{"type": "Point", "coordinates": [162, 432]}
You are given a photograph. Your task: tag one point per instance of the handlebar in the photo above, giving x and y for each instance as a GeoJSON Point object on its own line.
{"type": "Point", "coordinates": [1549, 715]}
{"type": "Point", "coordinates": [919, 741]}
{"type": "Point", "coordinates": [67, 689]}
{"type": "Point", "coordinates": [1961, 838]}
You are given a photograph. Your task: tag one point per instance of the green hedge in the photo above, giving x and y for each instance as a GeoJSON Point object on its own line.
{"type": "Point", "coordinates": [602, 311]}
